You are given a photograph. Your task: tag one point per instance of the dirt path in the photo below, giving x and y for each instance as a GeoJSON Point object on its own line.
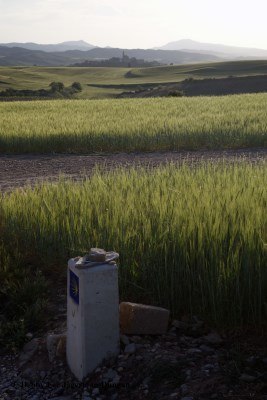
{"type": "Point", "coordinates": [20, 170]}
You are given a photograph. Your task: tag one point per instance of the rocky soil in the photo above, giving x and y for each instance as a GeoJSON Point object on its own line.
{"type": "Point", "coordinates": [20, 170]}
{"type": "Point", "coordinates": [189, 362]}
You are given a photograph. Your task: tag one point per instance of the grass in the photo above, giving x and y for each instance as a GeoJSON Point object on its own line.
{"type": "Point", "coordinates": [192, 239]}
{"type": "Point", "coordinates": [80, 126]}
{"type": "Point", "coordinates": [96, 81]}
{"type": "Point", "coordinates": [23, 295]}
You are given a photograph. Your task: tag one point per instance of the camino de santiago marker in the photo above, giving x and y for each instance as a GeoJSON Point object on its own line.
{"type": "Point", "coordinates": [92, 311]}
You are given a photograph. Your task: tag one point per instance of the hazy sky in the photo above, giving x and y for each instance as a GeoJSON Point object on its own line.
{"type": "Point", "coordinates": [135, 23]}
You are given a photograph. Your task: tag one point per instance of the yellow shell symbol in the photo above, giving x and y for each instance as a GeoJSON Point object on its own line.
{"type": "Point", "coordinates": [74, 286]}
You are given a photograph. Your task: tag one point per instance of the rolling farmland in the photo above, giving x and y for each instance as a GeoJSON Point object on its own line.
{"type": "Point", "coordinates": [109, 82]}
{"type": "Point", "coordinates": [191, 228]}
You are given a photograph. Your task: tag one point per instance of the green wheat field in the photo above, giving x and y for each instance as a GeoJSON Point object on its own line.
{"type": "Point", "coordinates": [191, 238]}
{"type": "Point", "coordinates": [87, 126]}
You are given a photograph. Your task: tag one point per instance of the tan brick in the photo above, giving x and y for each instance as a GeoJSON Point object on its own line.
{"type": "Point", "coordinates": [140, 319]}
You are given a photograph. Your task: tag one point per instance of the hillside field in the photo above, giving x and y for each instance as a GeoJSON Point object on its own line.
{"type": "Point", "coordinates": [109, 82]}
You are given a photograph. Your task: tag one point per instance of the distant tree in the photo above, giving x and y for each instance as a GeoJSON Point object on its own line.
{"type": "Point", "coordinates": [77, 86]}
{"type": "Point", "coordinates": [175, 93]}
{"type": "Point", "coordinates": [56, 87]}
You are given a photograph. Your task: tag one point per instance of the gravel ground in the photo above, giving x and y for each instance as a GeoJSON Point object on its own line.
{"type": "Point", "coordinates": [20, 170]}
{"type": "Point", "coordinates": [190, 362]}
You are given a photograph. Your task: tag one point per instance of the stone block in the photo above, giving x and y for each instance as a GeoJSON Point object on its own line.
{"type": "Point", "coordinates": [140, 319]}
{"type": "Point", "coordinates": [51, 345]}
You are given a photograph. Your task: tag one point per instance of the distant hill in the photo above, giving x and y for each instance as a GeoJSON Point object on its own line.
{"type": "Point", "coordinates": [24, 57]}
{"type": "Point", "coordinates": [161, 56]}
{"type": "Point", "coordinates": [74, 45]}
{"type": "Point", "coordinates": [12, 56]}
{"type": "Point", "coordinates": [216, 49]}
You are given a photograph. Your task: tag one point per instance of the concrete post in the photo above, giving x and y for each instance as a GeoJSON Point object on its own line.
{"type": "Point", "coordinates": [92, 314]}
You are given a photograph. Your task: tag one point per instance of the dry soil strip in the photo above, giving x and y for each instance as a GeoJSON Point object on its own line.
{"type": "Point", "coordinates": [20, 170]}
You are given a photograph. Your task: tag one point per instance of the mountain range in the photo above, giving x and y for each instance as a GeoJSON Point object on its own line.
{"type": "Point", "coordinates": [64, 46]}
{"type": "Point", "coordinates": [217, 49]}
{"type": "Point", "coordinates": [67, 53]}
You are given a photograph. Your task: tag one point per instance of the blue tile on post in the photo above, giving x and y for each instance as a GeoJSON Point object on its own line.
{"type": "Point", "coordinates": [74, 287]}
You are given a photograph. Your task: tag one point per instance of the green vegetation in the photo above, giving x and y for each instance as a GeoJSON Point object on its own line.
{"type": "Point", "coordinates": [57, 90]}
{"type": "Point", "coordinates": [108, 82]}
{"type": "Point", "coordinates": [133, 124]}
{"type": "Point", "coordinates": [190, 238]}
{"type": "Point", "coordinates": [23, 292]}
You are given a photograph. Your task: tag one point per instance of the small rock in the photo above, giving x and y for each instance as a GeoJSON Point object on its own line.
{"type": "Point", "coordinates": [194, 351]}
{"type": "Point", "coordinates": [110, 375]}
{"type": "Point", "coordinates": [206, 349]}
{"type": "Point", "coordinates": [183, 389]}
{"type": "Point", "coordinates": [86, 396]}
{"type": "Point", "coordinates": [124, 339]}
{"type": "Point", "coordinates": [187, 398]}
{"type": "Point", "coordinates": [213, 338]}
{"type": "Point", "coordinates": [95, 391]}
{"type": "Point", "coordinates": [28, 373]}
{"type": "Point", "coordinates": [251, 360]}
{"type": "Point", "coordinates": [180, 324]}
{"type": "Point", "coordinates": [42, 374]}
{"type": "Point", "coordinates": [136, 339]}
{"type": "Point", "coordinates": [29, 336]}
{"type": "Point", "coordinates": [172, 332]}
{"type": "Point", "coordinates": [52, 342]}
{"type": "Point", "coordinates": [247, 378]}
{"type": "Point", "coordinates": [208, 366]}
{"type": "Point", "coordinates": [147, 380]}
{"type": "Point", "coordinates": [61, 346]}
{"type": "Point", "coordinates": [116, 380]}
{"type": "Point", "coordinates": [130, 348]}
{"type": "Point", "coordinates": [28, 352]}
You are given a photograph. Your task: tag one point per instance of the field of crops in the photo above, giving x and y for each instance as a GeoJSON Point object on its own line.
{"type": "Point", "coordinates": [108, 82]}
{"type": "Point", "coordinates": [86, 126]}
{"type": "Point", "coordinates": [192, 239]}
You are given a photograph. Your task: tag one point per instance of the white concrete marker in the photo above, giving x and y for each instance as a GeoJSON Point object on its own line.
{"type": "Point", "coordinates": [92, 316]}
